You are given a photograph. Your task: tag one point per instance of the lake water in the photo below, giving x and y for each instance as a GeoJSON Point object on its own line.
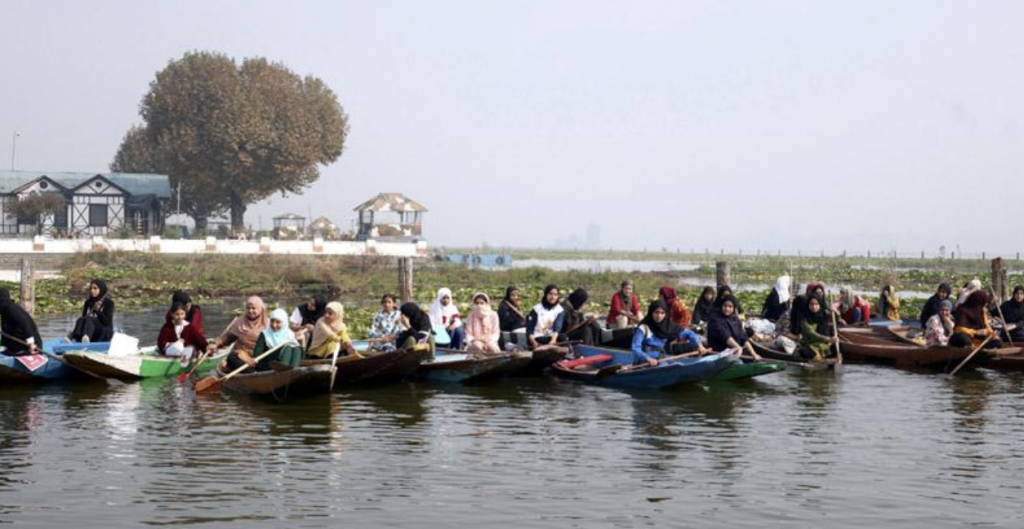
{"type": "Point", "coordinates": [876, 447]}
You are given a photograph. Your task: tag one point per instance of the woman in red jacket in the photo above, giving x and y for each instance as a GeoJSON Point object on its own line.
{"type": "Point", "coordinates": [625, 309]}
{"type": "Point", "coordinates": [178, 337]}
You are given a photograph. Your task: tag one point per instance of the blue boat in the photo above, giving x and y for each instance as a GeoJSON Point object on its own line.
{"type": "Point", "coordinates": [35, 369]}
{"type": "Point", "coordinates": [592, 367]}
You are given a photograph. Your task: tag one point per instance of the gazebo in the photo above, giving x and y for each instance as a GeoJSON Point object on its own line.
{"type": "Point", "coordinates": [390, 216]}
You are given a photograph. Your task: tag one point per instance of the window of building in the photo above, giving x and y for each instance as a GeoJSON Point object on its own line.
{"type": "Point", "coordinates": [97, 215]}
{"type": "Point", "coordinates": [60, 219]}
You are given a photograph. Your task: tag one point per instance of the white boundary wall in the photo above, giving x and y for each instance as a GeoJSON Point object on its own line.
{"type": "Point", "coordinates": [213, 246]}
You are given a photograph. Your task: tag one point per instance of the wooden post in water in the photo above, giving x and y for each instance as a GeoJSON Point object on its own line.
{"type": "Point", "coordinates": [722, 273]}
{"type": "Point", "coordinates": [405, 269]}
{"type": "Point", "coordinates": [999, 280]}
{"type": "Point", "coordinates": [28, 286]}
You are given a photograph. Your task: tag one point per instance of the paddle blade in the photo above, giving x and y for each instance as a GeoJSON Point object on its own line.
{"type": "Point", "coordinates": [182, 378]}
{"type": "Point", "coordinates": [207, 384]}
{"type": "Point", "coordinates": [838, 368]}
{"type": "Point", "coordinates": [609, 371]}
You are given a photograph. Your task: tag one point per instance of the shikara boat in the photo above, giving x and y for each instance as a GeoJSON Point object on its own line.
{"type": "Point", "coordinates": [770, 352]}
{"type": "Point", "coordinates": [146, 363]}
{"type": "Point", "coordinates": [458, 366]}
{"type": "Point", "coordinates": [284, 383]}
{"type": "Point", "coordinates": [596, 366]}
{"type": "Point", "coordinates": [741, 370]}
{"type": "Point", "coordinates": [372, 367]}
{"type": "Point", "coordinates": [906, 355]}
{"type": "Point", "coordinates": [543, 357]}
{"type": "Point", "coordinates": [39, 368]}
{"type": "Point", "coordinates": [1009, 358]}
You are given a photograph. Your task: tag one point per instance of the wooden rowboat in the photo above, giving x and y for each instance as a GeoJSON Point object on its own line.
{"type": "Point", "coordinates": [770, 352]}
{"type": "Point", "coordinates": [543, 357]}
{"type": "Point", "coordinates": [457, 366]}
{"type": "Point", "coordinates": [588, 369]}
{"type": "Point", "coordinates": [146, 363]}
{"type": "Point", "coordinates": [282, 384]}
{"type": "Point", "coordinates": [902, 350]}
{"type": "Point", "coordinates": [372, 367]}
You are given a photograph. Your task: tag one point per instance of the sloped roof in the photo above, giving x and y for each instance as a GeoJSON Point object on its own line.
{"type": "Point", "coordinates": [289, 216]}
{"type": "Point", "coordinates": [133, 183]}
{"type": "Point", "coordinates": [390, 202]}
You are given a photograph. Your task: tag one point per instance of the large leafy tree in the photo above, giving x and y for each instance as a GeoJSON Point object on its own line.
{"type": "Point", "coordinates": [232, 134]}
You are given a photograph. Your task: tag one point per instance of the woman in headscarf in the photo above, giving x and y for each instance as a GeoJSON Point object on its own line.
{"type": "Point", "coordinates": [703, 308]}
{"type": "Point", "coordinates": [971, 287]}
{"type": "Point", "coordinates": [193, 313]}
{"type": "Point", "coordinates": [482, 327]}
{"type": "Point", "coordinates": [276, 334]}
{"type": "Point", "coordinates": [931, 307]}
{"type": "Point", "coordinates": [444, 314]}
{"type": "Point", "coordinates": [1013, 310]}
{"type": "Point", "coordinates": [178, 337]}
{"type": "Point", "coordinates": [625, 307]}
{"type": "Point", "coordinates": [658, 336]}
{"type": "Point", "coordinates": [330, 332]}
{"type": "Point", "coordinates": [417, 328]}
{"type": "Point", "coordinates": [97, 321]}
{"type": "Point", "coordinates": [816, 332]}
{"type": "Point", "coordinates": [576, 326]}
{"type": "Point", "coordinates": [244, 331]}
{"type": "Point", "coordinates": [889, 303]}
{"type": "Point", "coordinates": [545, 320]}
{"type": "Point", "coordinates": [677, 312]}
{"type": "Point", "coordinates": [939, 328]}
{"type": "Point", "coordinates": [510, 313]}
{"type": "Point", "coordinates": [852, 308]}
{"type": "Point", "coordinates": [777, 301]}
{"type": "Point", "coordinates": [725, 330]}
{"type": "Point", "coordinates": [971, 322]}
{"type": "Point", "coordinates": [386, 325]}
{"type": "Point", "coordinates": [21, 335]}
{"type": "Point", "coordinates": [305, 316]}
{"type": "Point", "coordinates": [725, 291]}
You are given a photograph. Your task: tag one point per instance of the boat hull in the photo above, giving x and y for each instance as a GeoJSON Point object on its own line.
{"type": "Point", "coordinates": [40, 369]}
{"type": "Point", "coordinates": [664, 375]}
{"type": "Point", "coordinates": [146, 364]}
{"type": "Point", "coordinates": [297, 381]}
{"type": "Point", "coordinates": [470, 368]}
{"type": "Point", "coordinates": [748, 370]}
{"type": "Point", "coordinates": [374, 368]}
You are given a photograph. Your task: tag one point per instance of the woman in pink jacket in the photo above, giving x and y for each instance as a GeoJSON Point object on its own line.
{"type": "Point", "coordinates": [482, 327]}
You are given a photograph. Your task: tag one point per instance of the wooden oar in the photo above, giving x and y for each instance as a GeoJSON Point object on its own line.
{"type": "Point", "coordinates": [202, 358]}
{"type": "Point", "coordinates": [215, 382]}
{"type": "Point", "coordinates": [968, 359]}
{"type": "Point", "coordinates": [838, 368]}
{"type": "Point", "coordinates": [1001, 317]}
{"type": "Point", "coordinates": [111, 381]}
{"type": "Point", "coordinates": [619, 368]}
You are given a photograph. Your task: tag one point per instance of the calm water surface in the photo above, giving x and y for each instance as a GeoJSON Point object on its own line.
{"type": "Point", "coordinates": [876, 447]}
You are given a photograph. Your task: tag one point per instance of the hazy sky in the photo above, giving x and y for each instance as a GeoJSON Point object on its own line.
{"type": "Point", "coordinates": [758, 124]}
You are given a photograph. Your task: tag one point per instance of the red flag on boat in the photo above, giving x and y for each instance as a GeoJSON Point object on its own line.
{"type": "Point", "coordinates": [32, 362]}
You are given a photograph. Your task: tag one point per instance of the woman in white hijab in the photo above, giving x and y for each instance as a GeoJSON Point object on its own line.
{"type": "Point", "coordinates": [777, 301]}
{"type": "Point", "coordinates": [445, 314]}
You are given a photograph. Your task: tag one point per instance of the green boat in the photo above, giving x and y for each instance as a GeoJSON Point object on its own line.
{"type": "Point", "coordinates": [146, 363]}
{"type": "Point", "coordinates": [748, 370]}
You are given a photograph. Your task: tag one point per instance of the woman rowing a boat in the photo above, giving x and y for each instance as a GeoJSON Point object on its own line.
{"type": "Point", "coordinates": [778, 300]}
{"type": "Point", "coordinates": [704, 307]}
{"type": "Point", "coordinates": [305, 316]}
{"type": "Point", "coordinates": [510, 312]}
{"type": "Point", "coordinates": [97, 321]}
{"type": "Point", "coordinates": [179, 337]}
{"type": "Point", "coordinates": [576, 325]}
{"type": "Point", "coordinates": [444, 314]}
{"type": "Point", "coordinates": [20, 333]}
{"type": "Point", "coordinates": [276, 334]}
{"type": "Point", "coordinates": [417, 329]}
{"type": "Point", "coordinates": [330, 332]}
{"type": "Point", "coordinates": [658, 336]}
{"type": "Point", "coordinates": [244, 330]}
{"type": "Point", "coordinates": [677, 312]}
{"type": "Point", "coordinates": [889, 303]}
{"type": "Point", "coordinates": [482, 326]}
{"type": "Point", "coordinates": [545, 321]}
{"type": "Point", "coordinates": [386, 325]}
{"type": "Point", "coordinates": [725, 330]}
{"type": "Point", "coordinates": [1013, 311]}
{"type": "Point", "coordinates": [816, 335]}
{"type": "Point", "coordinates": [972, 327]}
{"type": "Point", "coordinates": [625, 307]}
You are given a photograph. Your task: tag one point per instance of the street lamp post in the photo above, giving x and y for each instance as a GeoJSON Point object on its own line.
{"type": "Point", "coordinates": [14, 146]}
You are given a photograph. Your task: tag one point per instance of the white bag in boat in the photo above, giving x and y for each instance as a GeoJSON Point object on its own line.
{"type": "Point", "coordinates": [123, 345]}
